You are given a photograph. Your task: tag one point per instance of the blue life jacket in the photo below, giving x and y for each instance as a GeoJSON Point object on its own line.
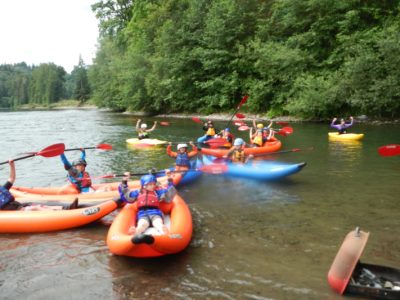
{"type": "Point", "coordinates": [182, 159]}
{"type": "Point", "coordinates": [5, 197]}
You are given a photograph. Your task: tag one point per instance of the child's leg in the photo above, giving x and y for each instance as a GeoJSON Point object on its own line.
{"type": "Point", "coordinates": [142, 225]}
{"type": "Point", "coordinates": [159, 225]}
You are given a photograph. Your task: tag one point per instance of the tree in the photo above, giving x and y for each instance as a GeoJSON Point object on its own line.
{"type": "Point", "coordinates": [82, 87]}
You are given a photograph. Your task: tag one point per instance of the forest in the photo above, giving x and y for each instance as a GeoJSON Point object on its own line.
{"type": "Point", "coordinates": [307, 58]}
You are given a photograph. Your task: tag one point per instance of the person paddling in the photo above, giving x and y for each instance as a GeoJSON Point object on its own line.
{"type": "Point", "coordinates": [342, 127]}
{"type": "Point", "coordinates": [148, 199]}
{"type": "Point", "coordinates": [143, 132]}
{"type": "Point", "coordinates": [182, 157]}
{"type": "Point", "coordinates": [8, 202]}
{"type": "Point", "coordinates": [237, 154]}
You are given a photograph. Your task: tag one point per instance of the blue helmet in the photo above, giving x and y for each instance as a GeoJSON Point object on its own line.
{"type": "Point", "coordinates": [146, 179]}
{"type": "Point", "coordinates": [79, 161]}
{"type": "Point", "coordinates": [238, 142]}
{"type": "Point", "coordinates": [228, 129]}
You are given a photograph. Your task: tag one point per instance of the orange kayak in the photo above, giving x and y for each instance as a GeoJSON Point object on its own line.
{"type": "Point", "coordinates": [43, 221]}
{"type": "Point", "coordinates": [178, 219]}
{"type": "Point", "coordinates": [40, 194]}
{"type": "Point", "coordinates": [270, 146]}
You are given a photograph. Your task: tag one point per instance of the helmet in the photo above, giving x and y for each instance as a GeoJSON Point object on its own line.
{"type": "Point", "coordinates": [266, 128]}
{"type": "Point", "coordinates": [260, 126]}
{"type": "Point", "coordinates": [143, 126]}
{"type": "Point", "coordinates": [79, 161]}
{"type": "Point", "coordinates": [181, 146]}
{"type": "Point", "coordinates": [238, 142]}
{"type": "Point", "coordinates": [146, 179]}
{"type": "Point", "coordinates": [227, 129]}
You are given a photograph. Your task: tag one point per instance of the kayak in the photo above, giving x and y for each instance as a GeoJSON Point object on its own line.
{"type": "Point", "coordinates": [257, 170]}
{"type": "Point", "coordinates": [189, 176]}
{"type": "Point", "coordinates": [19, 221]}
{"type": "Point", "coordinates": [144, 143]}
{"type": "Point", "coordinates": [177, 218]}
{"type": "Point", "coordinates": [270, 146]}
{"type": "Point", "coordinates": [40, 194]}
{"type": "Point", "coordinates": [345, 136]}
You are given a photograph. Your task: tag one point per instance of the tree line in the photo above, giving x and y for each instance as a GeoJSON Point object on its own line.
{"type": "Point", "coordinates": [41, 85]}
{"type": "Point", "coordinates": [309, 58]}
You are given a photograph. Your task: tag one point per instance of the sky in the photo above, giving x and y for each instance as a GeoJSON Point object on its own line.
{"type": "Point", "coordinates": [47, 31]}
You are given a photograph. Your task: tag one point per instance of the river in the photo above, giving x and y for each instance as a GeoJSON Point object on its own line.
{"type": "Point", "coordinates": [251, 240]}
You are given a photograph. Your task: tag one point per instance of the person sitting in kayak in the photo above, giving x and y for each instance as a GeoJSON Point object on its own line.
{"type": "Point", "coordinates": [236, 154]}
{"type": "Point", "coordinates": [210, 130]}
{"type": "Point", "coordinates": [226, 134]}
{"type": "Point", "coordinates": [182, 157]}
{"type": "Point", "coordinates": [77, 174]}
{"type": "Point", "coordinates": [8, 202]}
{"type": "Point", "coordinates": [268, 134]}
{"type": "Point", "coordinates": [342, 127]}
{"type": "Point", "coordinates": [257, 139]}
{"type": "Point", "coordinates": [148, 200]}
{"type": "Point", "coordinates": [143, 132]}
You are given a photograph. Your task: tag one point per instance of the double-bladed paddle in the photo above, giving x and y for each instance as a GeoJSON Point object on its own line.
{"type": "Point", "coordinates": [105, 147]}
{"type": "Point", "coordinates": [389, 150]}
{"type": "Point", "coordinates": [49, 151]}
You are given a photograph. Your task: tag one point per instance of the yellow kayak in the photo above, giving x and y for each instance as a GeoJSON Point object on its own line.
{"type": "Point", "coordinates": [345, 136]}
{"type": "Point", "coordinates": [145, 142]}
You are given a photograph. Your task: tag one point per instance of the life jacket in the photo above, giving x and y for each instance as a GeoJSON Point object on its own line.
{"type": "Point", "coordinates": [143, 135]}
{"type": "Point", "coordinates": [182, 159]}
{"type": "Point", "coordinates": [210, 131]}
{"type": "Point", "coordinates": [147, 198]}
{"type": "Point", "coordinates": [258, 140]}
{"type": "Point", "coordinates": [238, 156]}
{"type": "Point", "coordinates": [82, 182]}
{"type": "Point", "coordinates": [5, 197]}
{"type": "Point", "coordinates": [342, 130]}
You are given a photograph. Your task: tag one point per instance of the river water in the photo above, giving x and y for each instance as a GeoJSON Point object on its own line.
{"type": "Point", "coordinates": [251, 240]}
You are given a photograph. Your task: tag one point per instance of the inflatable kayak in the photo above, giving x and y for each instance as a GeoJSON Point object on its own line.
{"type": "Point", "coordinates": [257, 170]}
{"type": "Point", "coordinates": [271, 146]}
{"type": "Point", "coordinates": [177, 218]}
{"type": "Point", "coordinates": [144, 143]}
{"type": "Point", "coordinates": [40, 194]}
{"type": "Point", "coordinates": [43, 221]}
{"type": "Point", "coordinates": [345, 136]}
{"type": "Point", "coordinates": [191, 175]}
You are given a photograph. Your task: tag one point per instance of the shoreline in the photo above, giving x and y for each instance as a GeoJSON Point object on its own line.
{"type": "Point", "coordinates": [214, 116]}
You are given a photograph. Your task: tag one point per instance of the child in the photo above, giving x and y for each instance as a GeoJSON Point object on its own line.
{"type": "Point", "coordinates": [148, 201]}
{"type": "Point", "coordinates": [257, 139]}
{"type": "Point", "coordinates": [210, 130]}
{"type": "Point", "coordinates": [77, 174]}
{"type": "Point", "coordinates": [143, 132]}
{"type": "Point", "coordinates": [182, 161]}
{"type": "Point", "coordinates": [236, 154]}
{"type": "Point", "coordinates": [342, 126]}
{"type": "Point", "coordinates": [226, 134]}
{"type": "Point", "coordinates": [7, 200]}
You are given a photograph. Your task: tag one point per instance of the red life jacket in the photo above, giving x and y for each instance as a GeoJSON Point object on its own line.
{"type": "Point", "coordinates": [147, 198]}
{"type": "Point", "coordinates": [82, 182]}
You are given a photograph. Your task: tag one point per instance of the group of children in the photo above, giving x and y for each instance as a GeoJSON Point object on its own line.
{"type": "Point", "coordinates": [149, 196]}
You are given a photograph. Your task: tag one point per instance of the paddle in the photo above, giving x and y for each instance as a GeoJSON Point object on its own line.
{"type": "Point", "coordinates": [240, 116]}
{"type": "Point", "coordinates": [164, 123]}
{"type": "Point", "coordinates": [389, 150]}
{"type": "Point", "coordinates": [243, 101]}
{"type": "Point", "coordinates": [197, 120]}
{"type": "Point", "coordinates": [49, 151]}
{"type": "Point", "coordinates": [105, 147]}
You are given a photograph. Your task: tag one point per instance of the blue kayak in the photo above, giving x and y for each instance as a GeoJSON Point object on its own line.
{"type": "Point", "coordinates": [257, 170]}
{"type": "Point", "coordinates": [190, 176]}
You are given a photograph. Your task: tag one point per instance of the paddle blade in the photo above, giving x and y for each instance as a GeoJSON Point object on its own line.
{"type": "Point", "coordinates": [196, 119]}
{"type": "Point", "coordinates": [239, 123]}
{"type": "Point", "coordinates": [243, 128]}
{"type": "Point", "coordinates": [243, 101]}
{"type": "Point", "coordinates": [214, 168]}
{"type": "Point", "coordinates": [287, 130]}
{"type": "Point", "coordinates": [164, 123]}
{"type": "Point", "coordinates": [240, 116]}
{"type": "Point", "coordinates": [105, 147]}
{"type": "Point", "coordinates": [52, 150]}
{"type": "Point", "coordinates": [389, 150]}
{"type": "Point", "coordinates": [282, 123]}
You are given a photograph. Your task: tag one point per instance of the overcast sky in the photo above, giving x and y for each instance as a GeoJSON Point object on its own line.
{"type": "Point", "coordinates": [44, 31]}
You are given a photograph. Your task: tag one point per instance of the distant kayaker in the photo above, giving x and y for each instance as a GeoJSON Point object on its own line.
{"type": "Point", "coordinates": [7, 200]}
{"type": "Point", "coordinates": [342, 127]}
{"type": "Point", "coordinates": [77, 174]}
{"type": "Point", "coordinates": [237, 154]}
{"type": "Point", "coordinates": [143, 132]}
{"type": "Point", "coordinates": [148, 200]}
{"type": "Point", "coordinates": [226, 134]}
{"type": "Point", "coordinates": [182, 157]}
{"type": "Point", "coordinates": [210, 130]}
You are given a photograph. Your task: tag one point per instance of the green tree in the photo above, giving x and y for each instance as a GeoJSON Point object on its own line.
{"type": "Point", "coordinates": [82, 88]}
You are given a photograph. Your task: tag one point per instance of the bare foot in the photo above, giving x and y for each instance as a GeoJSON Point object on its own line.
{"type": "Point", "coordinates": [132, 230]}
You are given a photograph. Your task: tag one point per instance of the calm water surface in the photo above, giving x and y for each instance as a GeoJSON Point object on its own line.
{"type": "Point", "coordinates": [251, 240]}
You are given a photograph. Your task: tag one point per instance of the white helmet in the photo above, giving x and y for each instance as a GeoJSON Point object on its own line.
{"type": "Point", "coordinates": [181, 146]}
{"type": "Point", "coordinates": [143, 126]}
